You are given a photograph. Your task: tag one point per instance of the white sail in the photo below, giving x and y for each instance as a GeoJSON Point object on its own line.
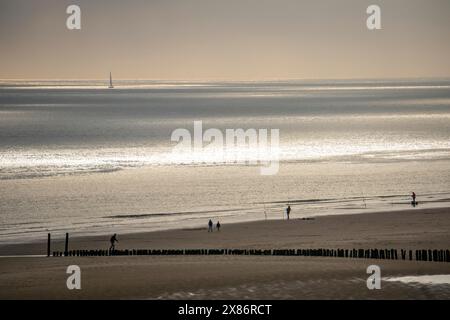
{"type": "Point", "coordinates": [110, 81]}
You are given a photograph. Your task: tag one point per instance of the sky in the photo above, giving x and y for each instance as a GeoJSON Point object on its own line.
{"type": "Point", "coordinates": [224, 40]}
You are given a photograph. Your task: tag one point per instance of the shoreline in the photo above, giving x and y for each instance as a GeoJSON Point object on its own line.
{"type": "Point", "coordinates": [310, 215]}
{"type": "Point", "coordinates": [148, 199]}
{"type": "Point", "coordinates": [197, 237]}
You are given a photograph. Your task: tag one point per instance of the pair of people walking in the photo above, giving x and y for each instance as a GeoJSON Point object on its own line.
{"type": "Point", "coordinates": [211, 225]}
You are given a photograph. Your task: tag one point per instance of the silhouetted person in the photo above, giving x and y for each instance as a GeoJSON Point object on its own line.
{"type": "Point", "coordinates": [210, 226]}
{"type": "Point", "coordinates": [288, 211]}
{"type": "Point", "coordinates": [218, 226]}
{"type": "Point", "coordinates": [113, 240]}
{"type": "Point", "coordinates": [413, 196]}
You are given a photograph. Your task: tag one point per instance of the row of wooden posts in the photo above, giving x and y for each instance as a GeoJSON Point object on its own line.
{"type": "Point", "coordinates": [385, 254]}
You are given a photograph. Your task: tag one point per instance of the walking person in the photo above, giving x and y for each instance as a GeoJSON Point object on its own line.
{"type": "Point", "coordinates": [113, 240]}
{"type": "Point", "coordinates": [413, 196]}
{"type": "Point", "coordinates": [210, 226]}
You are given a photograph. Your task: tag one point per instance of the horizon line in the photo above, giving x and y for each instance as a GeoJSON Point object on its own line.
{"type": "Point", "coordinates": [232, 80]}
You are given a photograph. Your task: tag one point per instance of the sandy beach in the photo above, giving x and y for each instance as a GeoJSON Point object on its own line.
{"type": "Point", "coordinates": [241, 277]}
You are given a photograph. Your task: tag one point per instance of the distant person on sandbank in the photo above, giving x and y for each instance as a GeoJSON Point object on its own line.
{"type": "Point", "coordinates": [288, 211]}
{"type": "Point", "coordinates": [413, 196]}
{"type": "Point", "coordinates": [113, 240]}
{"type": "Point", "coordinates": [210, 226]}
{"type": "Point", "coordinates": [218, 226]}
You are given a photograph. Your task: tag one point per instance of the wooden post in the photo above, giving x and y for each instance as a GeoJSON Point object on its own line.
{"type": "Point", "coordinates": [48, 245]}
{"type": "Point", "coordinates": [66, 247]}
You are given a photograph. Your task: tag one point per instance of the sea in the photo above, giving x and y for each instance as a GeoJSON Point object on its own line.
{"type": "Point", "coordinates": [78, 157]}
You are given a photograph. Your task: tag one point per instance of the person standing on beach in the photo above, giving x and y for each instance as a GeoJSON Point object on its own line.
{"type": "Point", "coordinates": [218, 226]}
{"type": "Point", "coordinates": [210, 226]}
{"type": "Point", "coordinates": [288, 211]}
{"type": "Point", "coordinates": [113, 240]}
{"type": "Point", "coordinates": [413, 196]}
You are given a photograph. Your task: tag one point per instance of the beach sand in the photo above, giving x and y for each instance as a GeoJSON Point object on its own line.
{"type": "Point", "coordinates": [241, 277]}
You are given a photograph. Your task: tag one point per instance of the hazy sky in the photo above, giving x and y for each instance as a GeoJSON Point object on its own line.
{"type": "Point", "coordinates": [227, 39]}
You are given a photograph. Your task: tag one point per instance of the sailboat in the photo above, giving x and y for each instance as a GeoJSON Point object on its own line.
{"type": "Point", "coordinates": [110, 81]}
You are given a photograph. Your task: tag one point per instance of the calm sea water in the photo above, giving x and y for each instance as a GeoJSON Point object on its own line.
{"type": "Point", "coordinates": [343, 145]}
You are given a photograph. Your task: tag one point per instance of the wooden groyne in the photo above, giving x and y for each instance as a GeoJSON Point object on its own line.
{"type": "Point", "coordinates": [435, 255]}
{"type": "Point", "coordinates": [379, 254]}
